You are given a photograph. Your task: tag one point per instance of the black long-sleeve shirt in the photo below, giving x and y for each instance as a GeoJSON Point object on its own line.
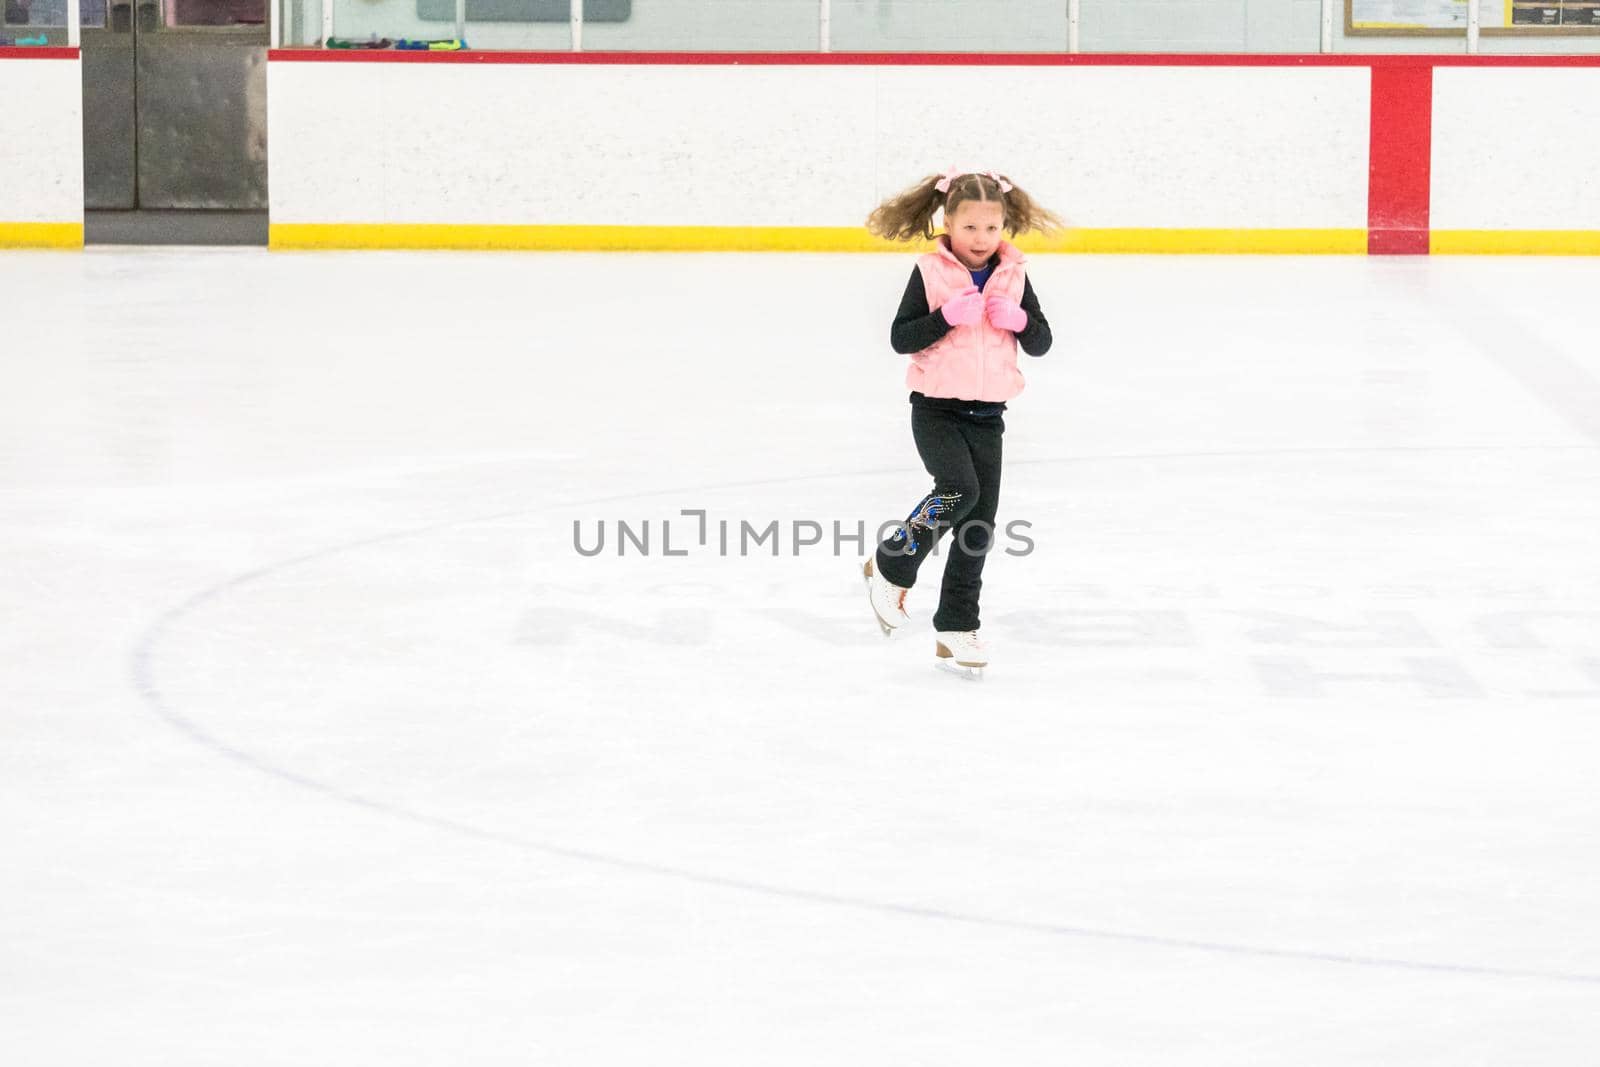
{"type": "Point", "coordinates": [915, 328]}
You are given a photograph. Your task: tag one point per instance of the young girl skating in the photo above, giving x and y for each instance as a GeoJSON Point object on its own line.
{"type": "Point", "coordinates": [965, 310]}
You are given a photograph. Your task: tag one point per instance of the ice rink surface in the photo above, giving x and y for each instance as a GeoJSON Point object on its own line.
{"type": "Point", "coordinates": [324, 745]}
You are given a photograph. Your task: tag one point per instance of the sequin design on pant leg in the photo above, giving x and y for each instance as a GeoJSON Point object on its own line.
{"type": "Point", "coordinates": [925, 517]}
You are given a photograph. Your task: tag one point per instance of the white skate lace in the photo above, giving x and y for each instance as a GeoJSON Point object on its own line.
{"type": "Point", "coordinates": [896, 593]}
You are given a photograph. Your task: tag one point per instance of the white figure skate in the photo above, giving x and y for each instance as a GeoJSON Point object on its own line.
{"type": "Point", "coordinates": [961, 653]}
{"type": "Point", "coordinates": [888, 600]}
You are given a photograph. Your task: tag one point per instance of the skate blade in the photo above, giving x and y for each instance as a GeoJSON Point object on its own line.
{"type": "Point", "coordinates": [968, 673]}
{"type": "Point", "coordinates": [889, 629]}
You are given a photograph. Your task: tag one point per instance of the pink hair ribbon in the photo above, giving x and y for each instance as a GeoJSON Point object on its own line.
{"type": "Point", "coordinates": [943, 184]}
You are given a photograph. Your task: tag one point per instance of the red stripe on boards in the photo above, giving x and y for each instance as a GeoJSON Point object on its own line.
{"type": "Point", "coordinates": [1400, 161]}
{"type": "Point", "coordinates": [36, 52]}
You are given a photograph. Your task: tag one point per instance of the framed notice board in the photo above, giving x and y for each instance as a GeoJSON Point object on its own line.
{"type": "Point", "coordinates": [1448, 18]}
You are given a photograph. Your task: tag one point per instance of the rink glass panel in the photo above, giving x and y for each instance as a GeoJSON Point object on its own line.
{"type": "Point", "coordinates": [1283, 27]}
{"type": "Point", "coordinates": [960, 26]}
{"type": "Point", "coordinates": [22, 19]}
{"type": "Point", "coordinates": [301, 22]}
{"type": "Point", "coordinates": [673, 26]}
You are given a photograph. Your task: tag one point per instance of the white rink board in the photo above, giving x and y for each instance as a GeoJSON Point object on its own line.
{"type": "Point", "coordinates": [41, 140]}
{"type": "Point", "coordinates": [1515, 149]}
{"type": "Point", "coordinates": [810, 146]}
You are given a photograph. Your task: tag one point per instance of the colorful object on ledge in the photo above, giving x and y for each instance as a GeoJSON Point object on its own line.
{"type": "Point", "coordinates": [350, 43]}
{"type": "Point", "coordinates": [452, 44]}
{"type": "Point", "coordinates": [24, 42]}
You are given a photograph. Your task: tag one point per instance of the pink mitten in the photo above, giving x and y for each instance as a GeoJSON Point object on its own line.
{"type": "Point", "coordinates": [1006, 314]}
{"type": "Point", "coordinates": [965, 308]}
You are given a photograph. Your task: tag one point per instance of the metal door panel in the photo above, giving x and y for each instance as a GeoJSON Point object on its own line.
{"type": "Point", "coordinates": [202, 120]}
{"type": "Point", "coordinates": [175, 105]}
{"type": "Point", "coordinates": [108, 122]}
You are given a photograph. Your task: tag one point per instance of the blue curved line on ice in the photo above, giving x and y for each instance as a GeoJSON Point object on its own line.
{"type": "Point", "coordinates": [143, 655]}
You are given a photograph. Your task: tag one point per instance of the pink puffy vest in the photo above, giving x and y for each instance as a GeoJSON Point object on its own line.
{"type": "Point", "coordinates": [976, 362]}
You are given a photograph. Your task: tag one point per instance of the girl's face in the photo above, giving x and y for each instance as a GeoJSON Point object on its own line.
{"type": "Point", "coordinates": [974, 230]}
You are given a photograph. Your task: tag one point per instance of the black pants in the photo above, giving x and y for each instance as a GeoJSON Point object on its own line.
{"type": "Point", "coordinates": [962, 452]}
